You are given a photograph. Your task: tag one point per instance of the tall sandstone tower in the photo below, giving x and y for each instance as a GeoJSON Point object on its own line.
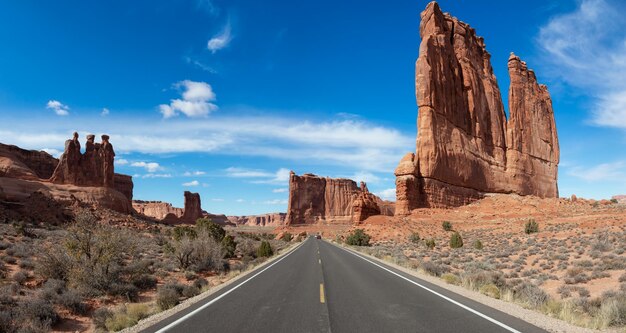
{"type": "Point", "coordinates": [465, 145]}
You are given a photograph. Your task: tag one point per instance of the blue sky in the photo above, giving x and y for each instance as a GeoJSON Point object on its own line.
{"type": "Point", "coordinates": [225, 97]}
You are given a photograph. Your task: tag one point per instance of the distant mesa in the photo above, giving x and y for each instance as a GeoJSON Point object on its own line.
{"type": "Point", "coordinates": [465, 146]}
{"type": "Point", "coordinates": [87, 178]}
{"type": "Point", "coordinates": [313, 199]}
{"type": "Point", "coordinates": [166, 213]}
{"type": "Point", "coordinates": [263, 220]}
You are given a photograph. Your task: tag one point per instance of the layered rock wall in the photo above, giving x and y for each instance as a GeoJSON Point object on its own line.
{"type": "Point", "coordinates": [156, 209]}
{"type": "Point", "coordinates": [264, 220]}
{"type": "Point", "coordinates": [465, 146]}
{"type": "Point", "coordinates": [313, 199]}
{"type": "Point", "coordinates": [20, 163]}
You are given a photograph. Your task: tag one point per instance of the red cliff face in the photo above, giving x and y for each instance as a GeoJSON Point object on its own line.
{"type": "Point", "coordinates": [193, 208]}
{"type": "Point", "coordinates": [465, 146]}
{"type": "Point", "coordinates": [265, 220]}
{"type": "Point", "coordinates": [313, 199]}
{"type": "Point", "coordinates": [156, 209]}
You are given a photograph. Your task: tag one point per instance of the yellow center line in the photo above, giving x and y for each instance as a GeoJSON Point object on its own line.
{"type": "Point", "coordinates": [322, 299]}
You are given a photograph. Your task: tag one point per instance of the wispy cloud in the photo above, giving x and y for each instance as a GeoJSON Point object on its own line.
{"type": "Point", "coordinates": [208, 6]}
{"type": "Point", "coordinates": [105, 112]}
{"type": "Point", "coordinates": [200, 64]}
{"type": "Point", "coordinates": [121, 161]}
{"type": "Point", "coordinates": [153, 175]}
{"type": "Point", "coordinates": [280, 190]}
{"type": "Point", "coordinates": [217, 200]}
{"type": "Point", "coordinates": [388, 194]}
{"type": "Point", "coordinates": [194, 173]}
{"type": "Point", "coordinates": [276, 202]}
{"type": "Point", "coordinates": [196, 100]}
{"type": "Point", "coordinates": [279, 177]}
{"type": "Point", "coordinates": [364, 176]}
{"type": "Point", "coordinates": [149, 166]}
{"type": "Point", "coordinates": [191, 183]}
{"type": "Point", "coordinates": [586, 48]}
{"type": "Point", "coordinates": [359, 144]}
{"type": "Point", "coordinates": [615, 171]}
{"type": "Point", "coordinates": [54, 152]}
{"type": "Point", "coordinates": [59, 108]}
{"type": "Point", "coordinates": [221, 40]}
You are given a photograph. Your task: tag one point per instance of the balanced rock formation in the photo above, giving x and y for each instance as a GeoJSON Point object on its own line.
{"type": "Point", "coordinates": [265, 220]}
{"type": "Point", "coordinates": [313, 199]}
{"type": "Point", "coordinates": [465, 145]}
{"type": "Point", "coordinates": [156, 209]}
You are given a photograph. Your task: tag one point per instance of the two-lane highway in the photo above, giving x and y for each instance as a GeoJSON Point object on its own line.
{"type": "Point", "coordinates": [320, 287]}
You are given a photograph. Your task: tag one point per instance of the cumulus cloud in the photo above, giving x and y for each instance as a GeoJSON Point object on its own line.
{"type": "Point", "coordinates": [59, 108]}
{"type": "Point", "coordinates": [149, 166]}
{"type": "Point", "coordinates": [220, 40]}
{"type": "Point", "coordinates": [191, 183]}
{"type": "Point", "coordinates": [121, 161]}
{"type": "Point", "coordinates": [105, 112]}
{"type": "Point", "coordinates": [196, 100]}
{"type": "Point", "coordinates": [586, 48]}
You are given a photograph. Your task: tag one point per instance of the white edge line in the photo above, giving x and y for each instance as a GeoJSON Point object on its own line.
{"type": "Point", "coordinates": [508, 328]}
{"type": "Point", "coordinates": [192, 313]}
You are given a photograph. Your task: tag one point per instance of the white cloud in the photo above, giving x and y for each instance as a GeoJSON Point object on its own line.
{"type": "Point", "coordinates": [586, 48]}
{"type": "Point", "coordinates": [149, 166]}
{"type": "Point", "coordinates": [357, 144]}
{"type": "Point", "coordinates": [192, 183]}
{"type": "Point", "coordinates": [388, 194]}
{"type": "Point", "coordinates": [54, 152]}
{"type": "Point", "coordinates": [278, 177]}
{"type": "Point", "coordinates": [194, 173]}
{"type": "Point", "coordinates": [280, 190]}
{"type": "Point", "coordinates": [614, 172]}
{"type": "Point", "coordinates": [240, 200]}
{"type": "Point", "coordinates": [121, 161]}
{"type": "Point", "coordinates": [220, 40]}
{"type": "Point", "coordinates": [196, 100]}
{"type": "Point", "coordinates": [276, 202]}
{"type": "Point", "coordinates": [367, 177]}
{"type": "Point", "coordinates": [59, 108]}
{"type": "Point", "coordinates": [153, 175]}
{"type": "Point", "coordinates": [200, 65]}
{"type": "Point", "coordinates": [105, 112]}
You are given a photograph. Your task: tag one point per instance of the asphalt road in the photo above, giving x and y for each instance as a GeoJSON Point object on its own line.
{"type": "Point", "coordinates": [320, 287]}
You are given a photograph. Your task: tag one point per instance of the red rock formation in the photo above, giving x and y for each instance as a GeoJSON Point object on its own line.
{"type": "Point", "coordinates": [265, 220]}
{"type": "Point", "coordinates": [364, 205]}
{"type": "Point", "coordinates": [193, 207]}
{"type": "Point", "coordinates": [124, 184]}
{"type": "Point", "coordinates": [94, 168]}
{"type": "Point", "coordinates": [313, 199]}
{"type": "Point", "coordinates": [156, 209]}
{"type": "Point", "coordinates": [464, 149]}
{"type": "Point", "coordinates": [20, 163]}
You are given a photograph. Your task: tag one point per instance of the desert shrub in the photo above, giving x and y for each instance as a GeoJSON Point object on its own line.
{"type": "Point", "coordinates": [190, 275]}
{"type": "Point", "coordinates": [127, 316]}
{"type": "Point", "coordinates": [433, 268]}
{"type": "Point", "coordinates": [430, 243]}
{"type": "Point", "coordinates": [53, 262]}
{"type": "Point", "coordinates": [207, 251]}
{"type": "Point", "coordinates": [447, 225]}
{"type": "Point", "coordinates": [583, 292]}
{"type": "Point", "coordinates": [359, 238]}
{"type": "Point", "coordinates": [190, 291]}
{"type": "Point", "coordinates": [180, 232]}
{"type": "Point", "coordinates": [247, 248]}
{"type": "Point", "coordinates": [72, 301]}
{"type": "Point", "coordinates": [20, 277]}
{"type": "Point", "coordinates": [4, 245]}
{"type": "Point", "coordinates": [287, 237]}
{"type": "Point", "coordinates": [145, 282]}
{"type": "Point", "coordinates": [530, 294]}
{"type": "Point", "coordinates": [167, 298]}
{"type": "Point", "coordinates": [414, 238]}
{"type": "Point", "coordinates": [614, 201]}
{"type": "Point", "coordinates": [26, 264]}
{"type": "Point", "coordinates": [37, 313]}
{"type": "Point", "coordinates": [490, 290]}
{"type": "Point", "coordinates": [126, 290]}
{"type": "Point", "coordinates": [229, 246]}
{"type": "Point", "coordinates": [478, 245]}
{"type": "Point", "coordinates": [6, 324]}
{"type": "Point", "coordinates": [456, 241]}
{"type": "Point", "coordinates": [3, 270]}
{"type": "Point", "coordinates": [531, 227]}
{"type": "Point", "coordinates": [200, 283]}
{"type": "Point", "coordinates": [264, 250]}
{"type": "Point", "coordinates": [451, 279]}
{"type": "Point", "coordinates": [181, 249]}
{"type": "Point", "coordinates": [601, 243]}
{"type": "Point", "coordinates": [214, 230]}
{"type": "Point", "coordinates": [612, 311]}
{"type": "Point", "coordinates": [100, 317]}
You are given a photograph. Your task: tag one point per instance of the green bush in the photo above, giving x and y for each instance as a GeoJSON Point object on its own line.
{"type": "Point", "coordinates": [359, 238]}
{"type": "Point", "coordinates": [287, 237]}
{"type": "Point", "coordinates": [614, 200]}
{"type": "Point", "coordinates": [414, 238]}
{"type": "Point", "coordinates": [447, 226]}
{"type": "Point", "coordinates": [180, 232]}
{"type": "Point", "coordinates": [264, 250]}
{"type": "Point", "coordinates": [456, 241]}
{"type": "Point", "coordinates": [229, 246]}
{"type": "Point", "coordinates": [478, 245]}
{"type": "Point", "coordinates": [531, 227]}
{"type": "Point", "coordinates": [215, 230]}
{"type": "Point", "coordinates": [430, 243]}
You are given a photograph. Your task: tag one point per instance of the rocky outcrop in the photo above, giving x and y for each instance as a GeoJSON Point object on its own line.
{"type": "Point", "coordinates": [465, 145]}
{"type": "Point", "coordinates": [364, 205]}
{"type": "Point", "coordinates": [193, 207]}
{"type": "Point", "coordinates": [265, 220]}
{"type": "Point", "coordinates": [20, 163]}
{"type": "Point", "coordinates": [313, 199]}
{"type": "Point", "coordinates": [124, 184]}
{"type": "Point", "coordinates": [156, 209]}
